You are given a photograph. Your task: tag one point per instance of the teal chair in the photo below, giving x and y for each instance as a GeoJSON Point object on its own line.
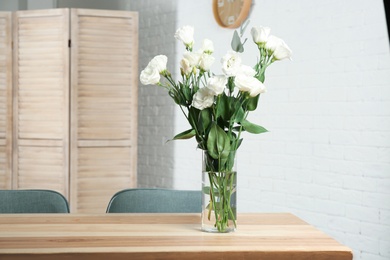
{"type": "Point", "coordinates": [155, 201]}
{"type": "Point", "coordinates": [32, 201]}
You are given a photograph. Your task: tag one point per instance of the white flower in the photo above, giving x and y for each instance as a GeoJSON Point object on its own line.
{"type": "Point", "coordinates": [217, 84]}
{"type": "Point", "coordinates": [258, 88]}
{"type": "Point", "coordinates": [202, 99]}
{"type": "Point", "coordinates": [186, 35]}
{"type": "Point", "coordinates": [189, 61]}
{"type": "Point", "coordinates": [159, 63]}
{"type": "Point", "coordinates": [249, 84]}
{"type": "Point", "coordinates": [231, 63]}
{"type": "Point", "coordinates": [207, 46]}
{"type": "Point", "coordinates": [206, 61]}
{"type": "Point", "coordinates": [247, 70]}
{"type": "Point", "coordinates": [150, 76]}
{"type": "Point", "coordinates": [278, 47]}
{"type": "Point", "coordinates": [260, 34]}
{"type": "Point", "coordinates": [192, 57]}
{"type": "Point", "coordinates": [185, 67]}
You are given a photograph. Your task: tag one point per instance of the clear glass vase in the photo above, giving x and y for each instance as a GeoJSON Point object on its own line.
{"type": "Point", "coordinates": [219, 194]}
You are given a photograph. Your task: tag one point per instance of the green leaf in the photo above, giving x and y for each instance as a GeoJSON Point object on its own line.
{"type": "Point", "coordinates": [193, 114]}
{"type": "Point", "coordinates": [226, 107]}
{"type": "Point", "coordinates": [204, 120]}
{"type": "Point", "coordinates": [173, 96]}
{"type": "Point", "coordinates": [221, 106]}
{"type": "Point", "coordinates": [243, 26]}
{"type": "Point", "coordinates": [185, 135]}
{"type": "Point", "coordinates": [252, 103]}
{"type": "Point", "coordinates": [186, 92]}
{"type": "Point", "coordinates": [253, 128]}
{"type": "Point", "coordinates": [230, 162]}
{"type": "Point", "coordinates": [231, 84]}
{"type": "Point", "coordinates": [239, 143]}
{"type": "Point", "coordinates": [218, 143]}
{"type": "Point", "coordinates": [236, 43]}
{"type": "Point", "coordinates": [206, 190]}
{"type": "Point", "coordinates": [261, 77]}
{"type": "Point", "coordinates": [239, 115]}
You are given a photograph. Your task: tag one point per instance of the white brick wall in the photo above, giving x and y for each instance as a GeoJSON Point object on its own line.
{"type": "Point", "coordinates": [156, 111]}
{"type": "Point", "coordinates": [327, 156]}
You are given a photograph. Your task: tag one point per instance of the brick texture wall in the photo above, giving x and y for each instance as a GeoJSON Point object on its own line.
{"type": "Point", "coordinates": [327, 155]}
{"type": "Point", "coordinates": [156, 111]}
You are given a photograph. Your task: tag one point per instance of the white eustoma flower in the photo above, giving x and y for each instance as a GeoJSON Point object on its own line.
{"type": "Point", "coordinates": [247, 70]}
{"type": "Point", "coordinates": [189, 61]}
{"type": "Point", "coordinates": [203, 98]}
{"type": "Point", "coordinates": [278, 47]}
{"type": "Point", "coordinates": [192, 57]}
{"type": "Point", "coordinates": [185, 67]}
{"type": "Point", "coordinates": [260, 34]}
{"type": "Point", "coordinates": [205, 61]}
{"type": "Point", "coordinates": [231, 63]}
{"type": "Point", "coordinates": [217, 84]}
{"type": "Point", "coordinates": [257, 88]}
{"type": "Point", "coordinates": [249, 84]}
{"type": "Point", "coordinates": [159, 62]}
{"type": "Point", "coordinates": [207, 46]}
{"type": "Point", "coordinates": [186, 35]}
{"type": "Point", "coordinates": [150, 76]}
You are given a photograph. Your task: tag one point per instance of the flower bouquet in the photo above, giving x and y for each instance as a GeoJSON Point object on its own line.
{"type": "Point", "coordinates": [217, 107]}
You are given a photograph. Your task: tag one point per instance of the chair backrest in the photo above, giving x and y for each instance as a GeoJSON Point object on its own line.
{"type": "Point", "coordinates": [32, 201]}
{"type": "Point", "coordinates": [155, 201]}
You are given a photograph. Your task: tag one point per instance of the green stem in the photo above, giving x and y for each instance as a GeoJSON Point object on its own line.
{"type": "Point", "coordinates": [232, 177]}
{"type": "Point", "coordinates": [223, 184]}
{"type": "Point", "coordinates": [213, 199]}
{"type": "Point", "coordinates": [239, 131]}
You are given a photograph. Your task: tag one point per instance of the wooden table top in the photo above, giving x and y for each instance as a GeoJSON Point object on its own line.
{"type": "Point", "coordinates": [275, 236]}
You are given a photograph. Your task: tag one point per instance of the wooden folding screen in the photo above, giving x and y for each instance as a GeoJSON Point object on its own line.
{"type": "Point", "coordinates": [41, 100]}
{"type": "Point", "coordinates": [104, 121]}
{"type": "Point", "coordinates": [5, 100]}
{"type": "Point", "coordinates": [75, 80]}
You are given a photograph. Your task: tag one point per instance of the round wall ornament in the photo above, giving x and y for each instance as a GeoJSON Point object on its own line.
{"type": "Point", "coordinates": [231, 13]}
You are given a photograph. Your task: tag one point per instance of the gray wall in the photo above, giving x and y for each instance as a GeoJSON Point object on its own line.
{"type": "Point", "coordinates": [94, 4]}
{"type": "Point", "coordinates": [156, 110]}
{"type": "Point", "coordinates": [13, 5]}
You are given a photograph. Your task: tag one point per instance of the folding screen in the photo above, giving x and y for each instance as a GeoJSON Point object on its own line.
{"type": "Point", "coordinates": [5, 100]}
{"type": "Point", "coordinates": [74, 103]}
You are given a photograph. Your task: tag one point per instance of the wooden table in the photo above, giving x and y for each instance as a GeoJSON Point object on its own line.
{"type": "Point", "coordinates": [162, 236]}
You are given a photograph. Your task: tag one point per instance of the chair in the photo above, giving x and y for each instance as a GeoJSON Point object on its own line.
{"type": "Point", "coordinates": [32, 201]}
{"type": "Point", "coordinates": [155, 201]}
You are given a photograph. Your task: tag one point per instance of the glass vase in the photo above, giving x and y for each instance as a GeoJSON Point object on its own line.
{"type": "Point", "coordinates": [219, 194]}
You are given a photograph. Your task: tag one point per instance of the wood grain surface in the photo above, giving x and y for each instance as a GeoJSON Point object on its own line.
{"type": "Point", "coordinates": [275, 236]}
